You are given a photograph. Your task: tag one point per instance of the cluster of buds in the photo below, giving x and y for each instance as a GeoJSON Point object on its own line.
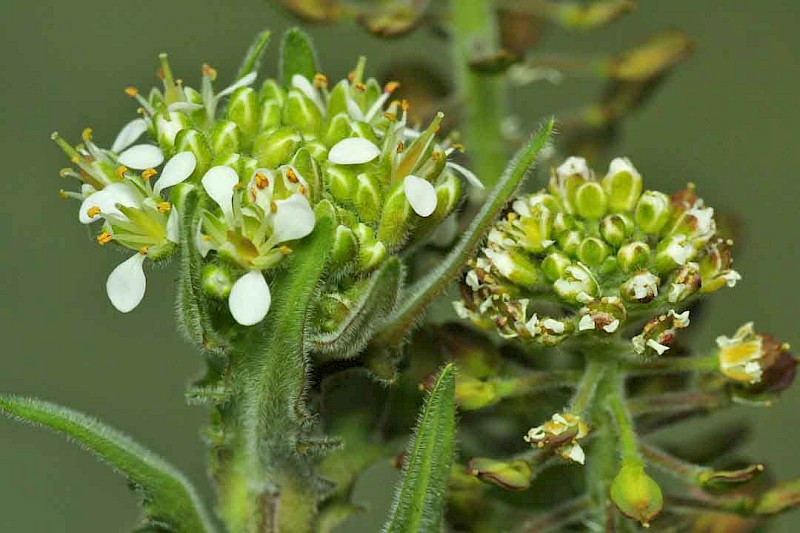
{"type": "Point", "coordinates": [601, 249]}
{"type": "Point", "coordinates": [562, 433]}
{"type": "Point", "coordinates": [264, 158]}
{"type": "Point", "coordinates": [759, 362]}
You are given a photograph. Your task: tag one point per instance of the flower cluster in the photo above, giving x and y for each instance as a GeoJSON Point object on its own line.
{"type": "Point", "coordinates": [602, 249]}
{"type": "Point", "coordinates": [562, 432]}
{"type": "Point", "coordinates": [759, 362]}
{"type": "Point", "coordinates": [265, 158]}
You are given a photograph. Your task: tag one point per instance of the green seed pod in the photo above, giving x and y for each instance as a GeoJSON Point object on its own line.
{"type": "Point", "coordinates": [190, 140]}
{"type": "Point", "coordinates": [633, 256]}
{"type": "Point", "coordinates": [167, 126]}
{"type": "Point", "coordinates": [513, 475]}
{"type": "Point", "coordinates": [652, 211]}
{"type": "Point", "coordinates": [302, 113]}
{"type": "Point", "coordinates": [367, 198]}
{"type": "Point", "coordinates": [591, 201]}
{"type": "Point", "coordinates": [554, 265]}
{"type": "Point", "coordinates": [615, 229]}
{"type": "Point", "coordinates": [593, 251]}
{"type": "Point", "coordinates": [226, 138]}
{"type": "Point", "coordinates": [273, 149]}
{"type": "Point", "coordinates": [396, 218]}
{"type": "Point", "coordinates": [635, 494]}
{"type": "Point", "coordinates": [244, 111]}
{"type": "Point", "coordinates": [216, 281]}
{"type": "Point", "coordinates": [345, 247]}
{"type": "Point", "coordinates": [623, 185]}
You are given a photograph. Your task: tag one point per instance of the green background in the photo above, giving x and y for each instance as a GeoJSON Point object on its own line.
{"type": "Point", "coordinates": [727, 120]}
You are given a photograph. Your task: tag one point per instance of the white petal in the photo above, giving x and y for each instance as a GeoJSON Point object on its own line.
{"type": "Point", "coordinates": [184, 106]}
{"type": "Point", "coordinates": [302, 84]}
{"type": "Point", "coordinates": [250, 298]}
{"type": "Point", "coordinates": [572, 166]}
{"type": "Point", "coordinates": [107, 199]}
{"type": "Point", "coordinates": [622, 164]}
{"type": "Point", "coordinates": [241, 82]}
{"type": "Point", "coordinates": [586, 322]}
{"type": "Point", "coordinates": [353, 110]}
{"type": "Point", "coordinates": [141, 156]}
{"type": "Point", "coordinates": [174, 225]}
{"type": "Point", "coordinates": [353, 151]}
{"type": "Point", "coordinates": [421, 195]}
{"type": "Point", "coordinates": [467, 173]}
{"type": "Point", "coordinates": [177, 170]}
{"type": "Point", "coordinates": [203, 245]}
{"type": "Point", "coordinates": [219, 183]}
{"type": "Point", "coordinates": [294, 219]}
{"type": "Point", "coordinates": [262, 197]}
{"type": "Point", "coordinates": [129, 133]}
{"type": "Point", "coordinates": [126, 284]}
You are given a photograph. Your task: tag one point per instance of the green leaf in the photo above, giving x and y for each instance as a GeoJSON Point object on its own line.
{"type": "Point", "coordinates": [420, 295]}
{"type": "Point", "coordinates": [420, 496]}
{"type": "Point", "coordinates": [375, 303]}
{"type": "Point", "coordinates": [252, 59]}
{"type": "Point", "coordinates": [297, 56]}
{"type": "Point", "coordinates": [168, 497]}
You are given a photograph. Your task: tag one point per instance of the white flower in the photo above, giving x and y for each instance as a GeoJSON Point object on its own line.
{"type": "Point", "coordinates": [141, 156]}
{"type": "Point", "coordinates": [353, 151]}
{"type": "Point", "coordinates": [250, 298]}
{"type": "Point", "coordinates": [104, 202]}
{"type": "Point", "coordinates": [421, 195]}
{"type": "Point", "coordinates": [294, 219]}
{"type": "Point", "coordinates": [129, 134]}
{"type": "Point", "coordinates": [573, 166]}
{"type": "Point", "coordinates": [177, 170]}
{"type": "Point", "coordinates": [126, 284]}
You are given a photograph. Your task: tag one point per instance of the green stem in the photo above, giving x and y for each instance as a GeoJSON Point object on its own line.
{"type": "Point", "coordinates": [587, 387]}
{"type": "Point", "coordinates": [707, 363]}
{"type": "Point", "coordinates": [475, 31]}
{"type": "Point", "coordinates": [623, 421]}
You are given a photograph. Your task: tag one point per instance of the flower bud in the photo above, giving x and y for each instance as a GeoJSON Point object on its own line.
{"type": "Point", "coordinates": [635, 494]}
{"type": "Point", "coordinates": [513, 266]}
{"type": "Point", "coordinates": [652, 211]}
{"type": "Point", "coordinates": [304, 164]}
{"type": "Point", "coordinates": [302, 113]}
{"type": "Point", "coordinates": [642, 287]}
{"type": "Point", "coordinates": [512, 475]}
{"type": "Point", "coordinates": [562, 432]}
{"type": "Point", "coordinates": [554, 265]}
{"type": "Point", "coordinates": [591, 201]}
{"type": "Point", "coordinates": [573, 173]}
{"type": "Point", "coordinates": [243, 110]}
{"type": "Point", "coordinates": [615, 229]}
{"type": "Point", "coordinates": [673, 252]}
{"type": "Point", "coordinates": [371, 252]}
{"type": "Point", "coordinates": [271, 92]}
{"type": "Point", "coordinates": [395, 219]}
{"type": "Point", "coordinates": [342, 182]}
{"type": "Point", "coordinates": [684, 283]}
{"type": "Point", "coordinates": [623, 185]}
{"type": "Point", "coordinates": [535, 227]}
{"type": "Point", "coordinates": [226, 138]}
{"type": "Point", "coordinates": [577, 284]}
{"type": "Point", "coordinates": [167, 126]}
{"type": "Point", "coordinates": [190, 140]}
{"type": "Point", "coordinates": [338, 129]}
{"type": "Point", "coordinates": [473, 394]}
{"type": "Point", "coordinates": [274, 148]}
{"type": "Point", "coordinates": [216, 281]}
{"type": "Point", "coordinates": [659, 333]}
{"type": "Point", "coordinates": [367, 198]}
{"type": "Point", "coordinates": [751, 358]}
{"type": "Point", "coordinates": [569, 242]}
{"type": "Point", "coordinates": [633, 256]}
{"type": "Point", "coordinates": [345, 247]}
{"type": "Point", "coordinates": [592, 251]}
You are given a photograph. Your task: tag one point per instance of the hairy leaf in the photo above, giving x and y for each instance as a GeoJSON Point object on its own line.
{"type": "Point", "coordinates": [252, 59]}
{"type": "Point", "coordinates": [297, 56]}
{"type": "Point", "coordinates": [168, 497]}
{"type": "Point", "coordinates": [374, 304]}
{"type": "Point", "coordinates": [420, 496]}
{"type": "Point", "coordinates": [420, 295]}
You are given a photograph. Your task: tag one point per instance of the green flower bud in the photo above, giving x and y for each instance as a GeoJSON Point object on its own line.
{"type": "Point", "coordinates": [371, 253]}
{"type": "Point", "coordinates": [342, 182]}
{"type": "Point", "coordinates": [513, 266]}
{"type": "Point", "coordinates": [367, 199]}
{"type": "Point", "coordinates": [273, 149]}
{"type": "Point", "coordinates": [536, 226]}
{"type": "Point", "coordinates": [395, 219]}
{"type": "Point", "coordinates": [302, 113]}
{"type": "Point", "coordinates": [569, 242]}
{"type": "Point", "coordinates": [337, 99]}
{"type": "Point", "coordinates": [635, 494]}
{"type": "Point", "coordinates": [615, 229]}
{"type": "Point", "coordinates": [216, 281]}
{"type": "Point", "coordinates": [190, 140]}
{"type": "Point", "coordinates": [226, 138]}
{"type": "Point", "coordinates": [345, 247]}
{"type": "Point", "coordinates": [633, 256]}
{"type": "Point", "coordinates": [591, 201]}
{"type": "Point", "coordinates": [593, 251]}
{"type": "Point", "coordinates": [652, 211]}
{"type": "Point", "coordinates": [673, 252]}
{"type": "Point", "coordinates": [271, 92]}
{"type": "Point", "coordinates": [270, 118]}
{"type": "Point", "coordinates": [513, 475]}
{"type": "Point", "coordinates": [338, 129]}
{"type": "Point", "coordinates": [577, 284]}
{"type": "Point", "coordinates": [623, 185]}
{"type": "Point", "coordinates": [365, 131]}
{"type": "Point", "coordinates": [167, 126]}
{"type": "Point", "coordinates": [573, 173]}
{"type": "Point", "coordinates": [473, 394]}
{"type": "Point", "coordinates": [554, 265]}
{"type": "Point", "coordinates": [243, 110]}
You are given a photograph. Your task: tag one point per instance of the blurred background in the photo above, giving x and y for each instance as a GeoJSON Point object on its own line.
{"type": "Point", "coordinates": [726, 120]}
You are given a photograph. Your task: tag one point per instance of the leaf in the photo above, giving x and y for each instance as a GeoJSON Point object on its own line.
{"type": "Point", "coordinates": [420, 496]}
{"type": "Point", "coordinates": [297, 56]}
{"type": "Point", "coordinates": [420, 295]}
{"type": "Point", "coordinates": [168, 497]}
{"type": "Point", "coordinates": [252, 59]}
{"type": "Point", "coordinates": [376, 302]}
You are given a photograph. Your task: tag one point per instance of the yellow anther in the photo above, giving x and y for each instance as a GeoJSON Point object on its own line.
{"type": "Point", "coordinates": [285, 250]}
{"type": "Point", "coordinates": [320, 80]}
{"type": "Point", "coordinates": [302, 190]}
{"type": "Point", "coordinates": [131, 91]}
{"type": "Point", "coordinates": [391, 87]}
{"type": "Point", "coordinates": [262, 181]}
{"type": "Point", "coordinates": [436, 155]}
{"type": "Point", "coordinates": [93, 211]}
{"type": "Point", "coordinates": [400, 147]}
{"type": "Point", "coordinates": [292, 175]}
{"type": "Point", "coordinates": [63, 194]}
{"type": "Point", "coordinates": [148, 174]}
{"type": "Point", "coordinates": [273, 207]}
{"type": "Point", "coordinates": [65, 172]}
{"type": "Point", "coordinates": [253, 193]}
{"type": "Point", "coordinates": [209, 72]}
{"type": "Point", "coordinates": [459, 147]}
{"type": "Point", "coordinates": [121, 170]}
{"type": "Point", "coordinates": [86, 135]}
{"type": "Point", "coordinates": [164, 207]}
{"type": "Point", "coordinates": [140, 111]}
{"type": "Point", "coordinates": [405, 105]}
{"type": "Point", "coordinates": [104, 238]}
{"type": "Point", "coordinates": [361, 86]}
{"type": "Point", "coordinates": [391, 117]}
{"type": "Point", "coordinates": [75, 160]}
{"type": "Point", "coordinates": [238, 187]}
{"type": "Point", "coordinates": [351, 75]}
{"type": "Point", "coordinates": [206, 237]}
{"type": "Point", "coordinates": [143, 250]}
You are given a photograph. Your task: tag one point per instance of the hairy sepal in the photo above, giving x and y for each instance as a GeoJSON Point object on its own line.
{"type": "Point", "coordinates": [298, 56]}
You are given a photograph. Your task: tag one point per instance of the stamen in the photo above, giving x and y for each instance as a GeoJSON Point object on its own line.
{"type": "Point", "coordinates": [262, 182]}
{"type": "Point", "coordinates": [93, 211]}
{"type": "Point", "coordinates": [253, 193]}
{"type": "Point", "coordinates": [361, 86]}
{"type": "Point", "coordinates": [121, 170]}
{"type": "Point", "coordinates": [320, 80]}
{"type": "Point", "coordinates": [391, 87]}
{"type": "Point", "coordinates": [391, 117]}
{"type": "Point", "coordinates": [209, 72]}
{"type": "Point", "coordinates": [405, 105]}
{"type": "Point", "coordinates": [351, 75]}
{"type": "Point", "coordinates": [149, 173]}
{"type": "Point", "coordinates": [143, 250]}
{"type": "Point", "coordinates": [273, 207]}
{"type": "Point", "coordinates": [436, 155]}
{"type": "Point", "coordinates": [104, 238]}
{"type": "Point", "coordinates": [459, 147]}
{"type": "Point", "coordinates": [285, 250]}
{"type": "Point", "coordinates": [63, 194]}
{"type": "Point", "coordinates": [164, 207]}
{"type": "Point", "coordinates": [302, 190]}
{"type": "Point", "coordinates": [400, 147]}
{"type": "Point", "coordinates": [140, 111]}
{"type": "Point", "coordinates": [290, 173]}
{"type": "Point", "coordinates": [86, 135]}
{"type": "Point", "coordinates": [238, 187]}
{"type": "Point", "coordinates": [131, 91]}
